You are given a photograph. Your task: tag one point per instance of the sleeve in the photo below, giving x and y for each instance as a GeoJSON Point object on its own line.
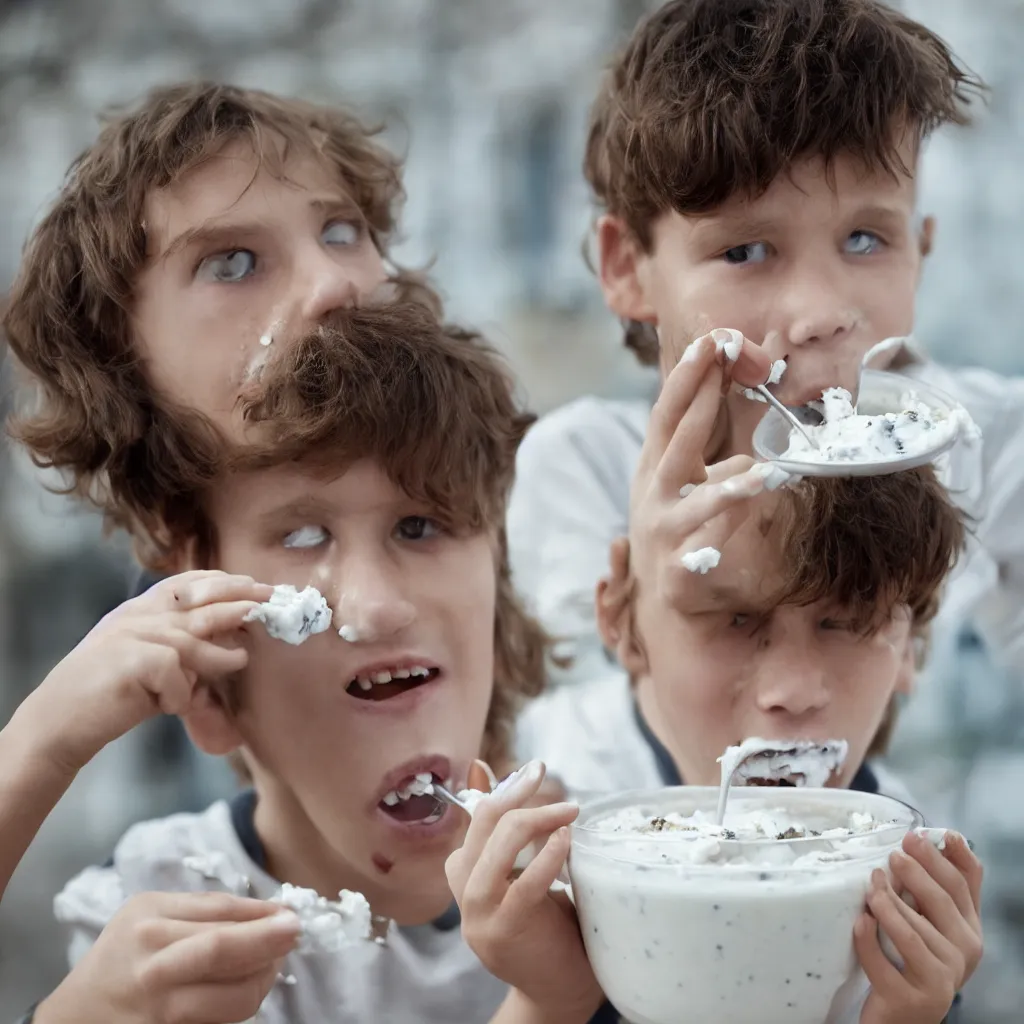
{"type": "Point", "coordinates": [86, 905]}
{"type": "Point", "coordinates": [570, 501]}
{"type": "Point", "coordinates": [999, 617]}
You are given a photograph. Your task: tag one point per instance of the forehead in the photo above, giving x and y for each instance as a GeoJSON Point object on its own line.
{"type": "Point", "coordinates": [236, 183]}
{"type": "Point", "coordinates": [244, 497]}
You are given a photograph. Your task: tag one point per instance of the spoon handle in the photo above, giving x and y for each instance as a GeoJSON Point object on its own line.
{"type": "Point", "coordinates": [449, 797]}
{"type": "Point", "coordinates": [763, 391]}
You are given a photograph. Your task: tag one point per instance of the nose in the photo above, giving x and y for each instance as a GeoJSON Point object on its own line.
{"type": "Point", "coordinates": [791, 680]}
{"type": "Point", "coordinates": [819, 308]}
{"type": "Point", "coordinates": [371, 604]}
{"type": "Point", "coordinates": [323, 284]}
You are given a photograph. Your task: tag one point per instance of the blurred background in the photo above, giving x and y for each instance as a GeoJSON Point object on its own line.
{"type": "Point", "coordinates": [488, 100]}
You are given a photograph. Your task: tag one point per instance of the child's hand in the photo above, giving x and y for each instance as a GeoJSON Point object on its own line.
{"type": "Point", "coordinates": [939, 942]}
{"type": "Point", "coordinates": [523, 934]}
{"type": "Point", "coordinates": [662, 527]}
{"type": "Point", "coordinates": [192, 958]}
{"type": "Point", "coordinates": [144, 658]}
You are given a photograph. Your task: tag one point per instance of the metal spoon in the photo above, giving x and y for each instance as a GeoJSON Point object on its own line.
{"type": "Point", "coordinates": [762, 390]}
{"type": "Point", "coordinates": [450, 798]}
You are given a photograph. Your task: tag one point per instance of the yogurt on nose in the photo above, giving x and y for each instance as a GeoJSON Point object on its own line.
{"type": "Point", "coordinates": [750, 922]}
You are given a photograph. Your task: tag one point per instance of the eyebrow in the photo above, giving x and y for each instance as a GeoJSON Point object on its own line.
{"type": "Point", "coordinates": [215, 231]}
{"type": "Point", "coordinates": [307, 507]}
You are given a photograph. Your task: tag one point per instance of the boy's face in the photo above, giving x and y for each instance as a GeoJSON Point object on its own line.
{"type": "Point", "coordinates": [817, 271]}
{"type": "Point", "coordinates": [238, 256]}
{"type": "Point", "coordinates": [720, 660]}
{"type": "Point", "coordinates": [326, 751]}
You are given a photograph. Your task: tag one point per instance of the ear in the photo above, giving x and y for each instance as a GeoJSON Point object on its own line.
{"type": "Point", "coordinates": [906, 675]}
{"type": "Point", "coordinates": [615, 612]}
{"type": "Point", "coordinates": [209, 724]}
{"type": "Point", "coordinates": [926, 237]}
{"type": "Point", "coordinates": [619, 258]}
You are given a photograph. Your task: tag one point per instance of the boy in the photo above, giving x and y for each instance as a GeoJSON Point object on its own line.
{"type": "Point", "coordinates": [806, 628]}
{"type": "Point", "coordinates": [199, 235]}
{"type": "Point", "coordinates": [380, 449]}
{"type": "Point", "coordinates": [754, 174]}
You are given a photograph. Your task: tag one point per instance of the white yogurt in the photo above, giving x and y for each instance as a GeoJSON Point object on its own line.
{"type": "Point", "coordinates": [327, 925]}
{"type": "Point", "coordinates": [847, 436]}
{"type": "Point", "coordinates": [293, 615]}
{"type": "Point", "coordinates": [703, 560]}
{"type": "Point", "coordinates": [687, 920]}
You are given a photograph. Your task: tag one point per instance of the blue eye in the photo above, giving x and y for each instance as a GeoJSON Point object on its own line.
{"type": "Point", "coordinates": [306, 537]}
{"type": "Point", "coordinates": [741, 255]}
{"type": "Point", "coordinates": [863, 243]}
{"type": "Point", "coordinates": [343, 232]}
{"type": "Point", "coordinates": [417, 528]}
{"type": "Point", "coordinates": [227, 267]}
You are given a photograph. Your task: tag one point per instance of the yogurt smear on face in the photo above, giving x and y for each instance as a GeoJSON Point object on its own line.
{"type": "Point", "coordinates": [293, 615]}
{"type": "Point", "coordinates": [847, 436]}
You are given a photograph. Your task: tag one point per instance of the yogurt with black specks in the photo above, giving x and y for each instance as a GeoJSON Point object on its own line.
{"type": "Point", "coordinates": [750, 922]}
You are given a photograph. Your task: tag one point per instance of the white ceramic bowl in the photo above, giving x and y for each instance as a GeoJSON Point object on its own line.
{"type": "Point", "coordinates": [880, 392]}
{"type": "Point", "coordinates": [742, 944]}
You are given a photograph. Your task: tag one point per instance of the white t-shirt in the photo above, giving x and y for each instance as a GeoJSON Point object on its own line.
{"type": "Point", "coordinates": [571, 500]}
{"type": "Point", "coordinates": [423, 974]}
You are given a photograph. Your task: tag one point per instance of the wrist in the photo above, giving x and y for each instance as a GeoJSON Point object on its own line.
{"type": "Point", "coordinates": [526, 1010]}
{"type": "Point", "coordinates": [44, 739]}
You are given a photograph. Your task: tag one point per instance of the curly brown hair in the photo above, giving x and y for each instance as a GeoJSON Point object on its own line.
{"type": "Point", "coordinates": [434, 406]}
{"type": "Point", "coordinates": [714, 98]}
{"type": "Point", "coordinates": [67, 320]}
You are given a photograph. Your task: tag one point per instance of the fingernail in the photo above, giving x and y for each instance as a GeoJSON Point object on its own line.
{"type": "Point", "coordinates": [747, 484]}
{"type": "Point", "coordinates": [728, 342]}
{"type": "Point", "coordinates": [694, 349]}
{"type": "Point", "coordinates": [286, 922]}
{"type": "Point", "coordinates": [686, 490]}
{"type": "Point", "coordinates": [519, 780]}
{"type": "Point", "coordinates": [776, 477]}
{"type": "Point", "coordinates": [938, 837]}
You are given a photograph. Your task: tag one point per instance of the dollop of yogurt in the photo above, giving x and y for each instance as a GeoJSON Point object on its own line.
{"type": "Point", "coordinates": [327, 925]}
{"type": "Point", "coordinates": [293, 615]}
{"type": "Point", "coordinates": [848, 436]}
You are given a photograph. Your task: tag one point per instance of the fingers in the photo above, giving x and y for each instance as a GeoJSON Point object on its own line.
{"type": "Point", "coordinates": [210, 620]}
{"type": "Point", "coordinates": [212, 1003]}
{"type": "Point", "coordinates": [682, 459]}
{"type": "Point", "coordinates": [195, 589]}
{"type": "Point", "coordinates": [962, 857]}
{"type": "Point", "coordinates": [913, 937]}
{"type": "Point", "coordinates": [880, 971]}
{"type": "Point", "coordinates": [677, 395]}
{"type": "Point", "coordinates": [215, 907]}
{"type": "Point", "coordinates": [941, 891]}
{"type": "Point", "coordinates": [229, 952]}
{"type": "Point", "coordinates": [533, 884]}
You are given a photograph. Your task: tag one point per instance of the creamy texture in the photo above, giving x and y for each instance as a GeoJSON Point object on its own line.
{"type": "Point", "coordinates": [847, 436]}
{"type": "Point", "coordinates": [327, 926]}
{"type": "Point", "coordinates": [702, 560]}
{"type": "Point", "coordinates": [292, 615]}
{"type": "Point", "coordinates": [802, 762]}
{"type": "Point", "coordinates": [349, 633]}
{"type": "Point", "coordinates": [750, 923]}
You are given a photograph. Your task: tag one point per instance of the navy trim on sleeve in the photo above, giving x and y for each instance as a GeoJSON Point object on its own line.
{"type": "Point", "coordinates": [29, 1017]}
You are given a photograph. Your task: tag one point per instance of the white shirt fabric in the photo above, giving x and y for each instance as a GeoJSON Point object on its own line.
{"type": "Point", "coordinates": [571, 500]}
{"type": "Point", "coordinates": [423, 974]}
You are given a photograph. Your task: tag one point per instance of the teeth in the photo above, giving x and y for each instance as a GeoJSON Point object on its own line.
{"type": "Point", "coordinates": [419, 670]}
{"type": "Point", "coordinates": [382, 677]}
{"type": "Point", "coordinates": [425, 777]}
{"type": "Point", "coordinates": [391, 798]}
{"type": "Point", "coordinates": [365, 684]}
{"type": "Point", "coordinates": [401, 673]}
{"type": "Point", "coordinates": [419, 785]}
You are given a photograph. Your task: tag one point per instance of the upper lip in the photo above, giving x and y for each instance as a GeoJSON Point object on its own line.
{"type": "Point", "coordinates": [438, 766]}
{"type": "Point", "coordinates": [395, 663]}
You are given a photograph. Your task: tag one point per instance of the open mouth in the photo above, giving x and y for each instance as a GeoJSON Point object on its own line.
{"type": "Point", "coordinates": [789, 781]}
{"type": "Point", "coordinates": [382, 684]}
{"type": "Point", "coordinates": [413, 800]}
